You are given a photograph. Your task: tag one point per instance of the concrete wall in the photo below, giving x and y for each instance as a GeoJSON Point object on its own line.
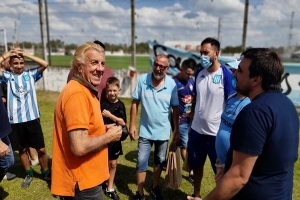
{"type": "Point", "coordinates": [55, 79]}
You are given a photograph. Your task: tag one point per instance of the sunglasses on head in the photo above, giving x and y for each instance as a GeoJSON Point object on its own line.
{"type": "Point", "coordinates": [99, 43]}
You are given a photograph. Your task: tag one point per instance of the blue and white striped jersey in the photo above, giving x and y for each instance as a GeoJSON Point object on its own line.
{"type": "Point", "coordinates": [21, 97]}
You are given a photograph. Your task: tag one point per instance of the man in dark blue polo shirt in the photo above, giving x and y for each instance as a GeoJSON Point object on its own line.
{"type": "Point", "coordinates": [265, 135]}
{"type": "Point", "coordinates": [5, 129]}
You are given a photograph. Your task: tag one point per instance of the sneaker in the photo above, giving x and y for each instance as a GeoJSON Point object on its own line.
{"type": "Point", "coordinates": [137, 196]}
{"type": "Point", "coordinates": [156, 193]}
{"type": "Point", "coordinates": [191, 179]}
{"type": "Point", "coordinates": [112, 194]}
{"type": "Point", "coordinates": [48, 177]}
{"type": "Point", "coordinates": [35, 162]}
{"type": "Point", "coordinates": [9, 176]}
{"type": "Point", "coordinates": [26, 182]}
{"type": "Point", "coordinates": [164, 165]}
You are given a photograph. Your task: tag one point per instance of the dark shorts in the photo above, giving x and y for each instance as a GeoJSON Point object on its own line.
{"type": "Point", "coordinates": [94, 193]}
{"type": "Point", "coordinates": [27, 134]}
{"type": "Point", "coordinates": [199, 147]}
{"type": "Point", "coordinates": [114, 150]}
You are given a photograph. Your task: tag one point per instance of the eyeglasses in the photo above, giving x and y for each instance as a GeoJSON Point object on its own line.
{"type": "Point", "coordinates": [161, 67]}
{"type": "Point", "coordinates": [99, 43]}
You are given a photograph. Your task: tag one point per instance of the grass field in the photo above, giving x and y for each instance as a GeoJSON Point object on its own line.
{"type": "Point", "coordinates": [125, 181]}
{"type": "Point", "coordinates": [114, 62]}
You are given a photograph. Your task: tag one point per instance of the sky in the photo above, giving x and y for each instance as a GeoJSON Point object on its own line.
{"type": "Point", "coordinates": [270, 22]}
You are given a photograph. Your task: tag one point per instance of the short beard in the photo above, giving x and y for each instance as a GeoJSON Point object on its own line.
{"type": "Point", "coordinates": [159, 77]}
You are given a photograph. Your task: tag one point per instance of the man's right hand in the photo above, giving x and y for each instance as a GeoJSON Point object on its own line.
{"type": "Point", "coordinates": [132, 133]}
{"type": "Point", "coordinates": [220, 172]}
{"type": "Point", "coordinates": [4, 149]}
{"type": "Point", "coordinates": [114, 133]}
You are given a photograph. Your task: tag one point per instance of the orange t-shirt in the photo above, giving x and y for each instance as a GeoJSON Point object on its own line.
{"type": "Point", "coordinates": [76, 107]}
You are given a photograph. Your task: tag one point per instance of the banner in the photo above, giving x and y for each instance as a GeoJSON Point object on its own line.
{"type": "Point", "coordinates": [177, 56]}
{"type": "Point", "coordinates": [290, 81]}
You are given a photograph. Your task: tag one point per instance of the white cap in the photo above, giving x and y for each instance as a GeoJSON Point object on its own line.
{"type": "Point", "coordinates": [235, 64]}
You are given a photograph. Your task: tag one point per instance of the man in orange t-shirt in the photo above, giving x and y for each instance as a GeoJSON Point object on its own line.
{"type": "Point", "coordinates": [80, 138]}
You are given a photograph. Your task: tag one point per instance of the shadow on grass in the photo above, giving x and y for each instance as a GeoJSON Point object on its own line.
{"type": "Point", "coordinates": [126, 177]}
{"type": "Point", "coordinates": [3, 193]}
{"type": "Point", "coordinates": [19, 170]}
{"type": "Point", "coordinates": [132, 157]}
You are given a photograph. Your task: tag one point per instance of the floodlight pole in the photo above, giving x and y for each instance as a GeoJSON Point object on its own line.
{"type": "Point", "coordinates": [43, 41]}
{"type": "Point", "coordinates": [48, 33]}
{"type": "Point", "coordinates": [42, 29]}
{"type": "Point", "coordinates": [245, 25]}
{"type": "Point", "coordinates": [4, 35]}
{"type": "Point", "coordinates": [133, 61]}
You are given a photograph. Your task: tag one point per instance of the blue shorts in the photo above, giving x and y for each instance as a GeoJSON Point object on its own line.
{"type": "Point", "coordinates": [144, 149]}
{"type": "Point", "coordinates": [199, 146]}
{"type": "Point", "coordinates": [184, 135]}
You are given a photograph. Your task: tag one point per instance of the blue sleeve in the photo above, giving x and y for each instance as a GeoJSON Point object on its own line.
{"type": "Point", "coordinates": [35, 74]}
{"type": "Point", "coordinates": [5, 76]}
{"type": "Point", "coordinates": [249, 131]}
{"type": "Point", "coordinates": [174, 97]}
{"type": "Point", "coordinates": [136, 94]}
{"type": "Point", "coordinates": [194, 86]}
{"type": "Point", "coordinates": [227, 81]}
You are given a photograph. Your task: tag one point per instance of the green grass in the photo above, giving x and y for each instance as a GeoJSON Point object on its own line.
{"type": "Point", "coordinates": [114, 62]}
{"type": "Point", "coordinates": [125, 181]}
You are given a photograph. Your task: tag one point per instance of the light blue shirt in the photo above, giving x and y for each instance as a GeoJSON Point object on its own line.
{"type": "Point", "coordinates": [156, 105]}
{"type": "Point", "coordinates": [233, 107]}
{"type": "Point", "coordinates": [21, 97]}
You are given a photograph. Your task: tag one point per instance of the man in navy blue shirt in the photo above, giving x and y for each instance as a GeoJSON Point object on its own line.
{"type": "Point", "coordinates": [265, 135]}
{"type": "Point", "coordinates": [5, 129]}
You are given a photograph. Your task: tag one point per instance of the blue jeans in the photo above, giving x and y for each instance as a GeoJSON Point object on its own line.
{"type": "Point", "coordinates": [8, 160]}
{"type": "Point", "coordinates": [144, 149]}
{"type": "Point", "coordinates": [184, 135]}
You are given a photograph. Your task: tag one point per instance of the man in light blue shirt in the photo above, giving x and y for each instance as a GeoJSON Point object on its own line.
{"type": "Point", "coordinates": [158, 95]}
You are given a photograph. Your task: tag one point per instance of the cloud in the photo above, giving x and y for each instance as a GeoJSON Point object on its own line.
{"type": "Point", "coordinates": [76, 21]}
{"type": "Point", "coordinates": [190, 15]}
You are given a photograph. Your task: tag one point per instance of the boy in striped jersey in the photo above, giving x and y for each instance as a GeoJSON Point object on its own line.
{"type": "Point", "coordinates": [23, 110]}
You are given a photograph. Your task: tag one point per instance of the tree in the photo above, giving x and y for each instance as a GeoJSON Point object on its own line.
{"type": "Point", "coordinates": [56, 44]}
{"type": "Point", "coordinates": [69, 47]}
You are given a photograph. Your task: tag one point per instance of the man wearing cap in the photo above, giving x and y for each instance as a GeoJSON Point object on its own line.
{"type": "Point", "coordinates": [234, 104]}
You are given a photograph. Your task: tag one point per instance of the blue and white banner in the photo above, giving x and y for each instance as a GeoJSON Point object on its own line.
{"type": "Point", "coordinates": [177, 56]}
{"type": "Point", "coordinates": [290, 81]}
